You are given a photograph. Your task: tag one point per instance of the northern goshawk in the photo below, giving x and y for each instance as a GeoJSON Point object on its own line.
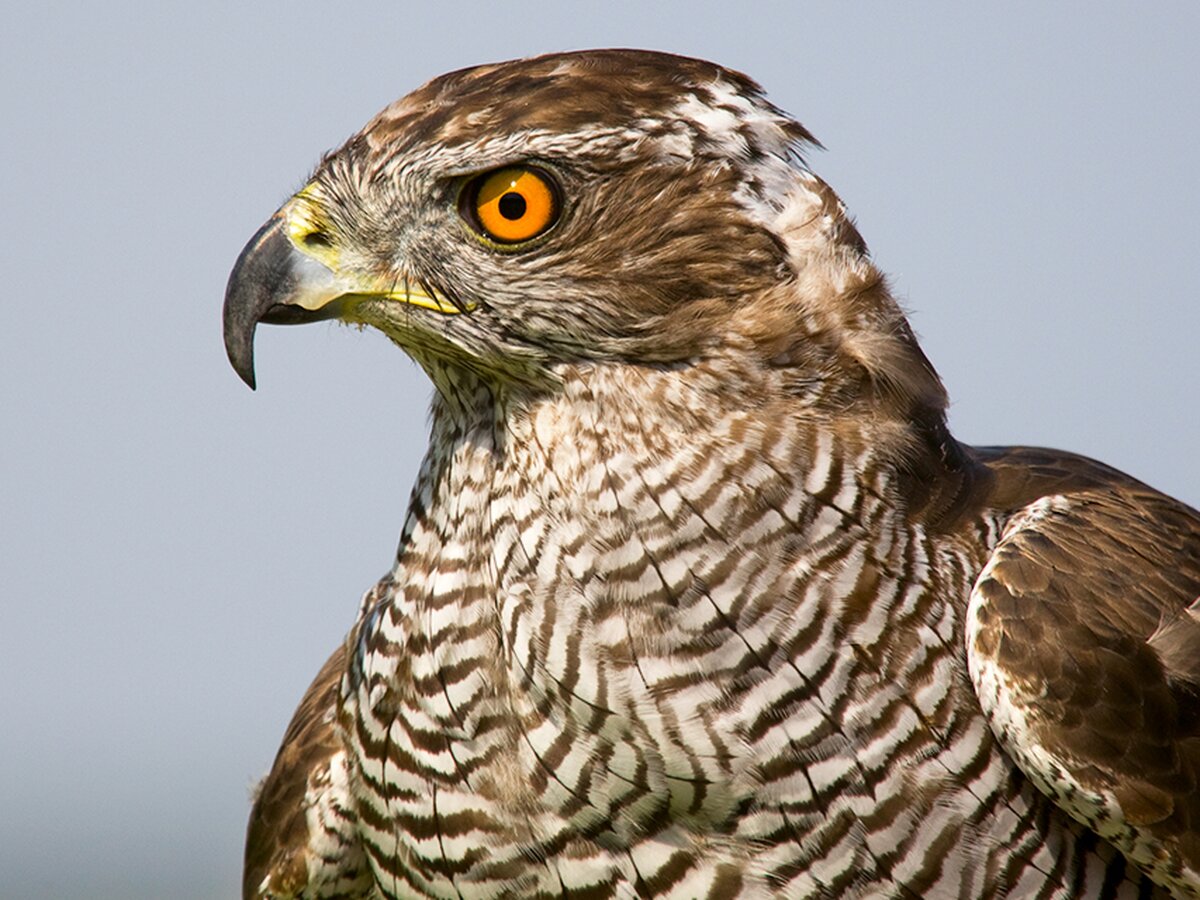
{"type": "Point", "coordinates": [696, 595]}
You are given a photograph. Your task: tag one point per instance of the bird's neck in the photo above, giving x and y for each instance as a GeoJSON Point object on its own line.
{"type": "Point", "coordinates": [620, 562]}
{"type": "Point", "coordinates": [629, 466]}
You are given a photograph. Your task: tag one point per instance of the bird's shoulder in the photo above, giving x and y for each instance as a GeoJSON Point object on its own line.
{"type": "Point", "coordinates": [300, 841]}
{"type": "Point", "coordinates": [1083, 640]}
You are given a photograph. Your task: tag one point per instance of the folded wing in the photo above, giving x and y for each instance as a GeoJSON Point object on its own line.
{"type": "Point", "coordinates": [1083, 641]}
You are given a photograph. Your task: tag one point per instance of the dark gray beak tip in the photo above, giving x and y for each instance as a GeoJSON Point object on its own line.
{"type": "Point", "coordinates": [251, 292]}
{"type": "Point", "coordinates": [247, 375]}
{"type": "Point", "coordinates": [239, 338]}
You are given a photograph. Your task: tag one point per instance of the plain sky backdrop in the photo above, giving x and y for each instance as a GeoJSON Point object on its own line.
{"type": "Point", "coordinates": [178, 554]}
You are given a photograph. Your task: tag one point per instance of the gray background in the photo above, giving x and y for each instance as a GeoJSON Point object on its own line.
{"type": "Point", "coordinates": [178, 555]}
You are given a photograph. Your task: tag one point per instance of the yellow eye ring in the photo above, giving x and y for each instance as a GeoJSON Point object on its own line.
{"type": "Point", "coordinates": [512, 205]}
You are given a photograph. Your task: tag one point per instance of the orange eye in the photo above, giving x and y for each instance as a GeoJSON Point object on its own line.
{"type": "Point", "coordinates": [513, 205]}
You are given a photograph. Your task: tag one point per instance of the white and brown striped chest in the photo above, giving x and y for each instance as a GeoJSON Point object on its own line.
{"type": "Point", "coordinates": [707, 644]}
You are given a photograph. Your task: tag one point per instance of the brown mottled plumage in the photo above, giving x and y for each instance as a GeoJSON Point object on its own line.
{"type": "Point", "coordinates": [696, 595]}
{"type": "Point", "coordinates": [1082, 606]}
{"type": "Point", "coordinates": [289, 802]}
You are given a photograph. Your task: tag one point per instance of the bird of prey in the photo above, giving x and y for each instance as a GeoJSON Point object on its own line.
{"type": "Point", "coordinates": [696, 595]}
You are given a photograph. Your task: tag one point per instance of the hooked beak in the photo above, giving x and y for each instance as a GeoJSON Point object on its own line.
{"type": "Point", "coordinates": [279, 281]}
{"type": "Point", "coordinates": [274, 282]}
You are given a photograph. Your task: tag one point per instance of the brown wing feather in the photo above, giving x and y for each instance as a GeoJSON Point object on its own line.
{"type": "Point", "coordinates": [300, 841]}
{"type": "Point", "coordinates": [1085, 621]}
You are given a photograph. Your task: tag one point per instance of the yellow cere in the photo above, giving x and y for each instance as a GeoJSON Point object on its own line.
{"type": "Point", "coordinates": [309, 231]}
{"type": "Point", "coordinates": [308, 227]}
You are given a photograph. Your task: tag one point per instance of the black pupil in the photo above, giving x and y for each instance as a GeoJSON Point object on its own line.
{"type": "Point", "coordinates": [512, 206]}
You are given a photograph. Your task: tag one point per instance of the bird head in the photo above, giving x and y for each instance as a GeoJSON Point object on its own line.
{"type": "Point", "coordinates": [621, 207]}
